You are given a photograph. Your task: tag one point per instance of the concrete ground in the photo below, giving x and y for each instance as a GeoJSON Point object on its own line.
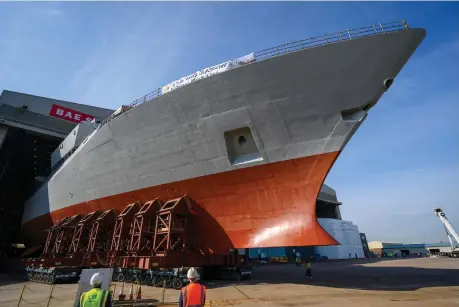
{"type": "Point", "coordinates": [405, 282]}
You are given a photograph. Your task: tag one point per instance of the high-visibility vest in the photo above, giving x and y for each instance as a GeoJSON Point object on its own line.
{"type": "Point", "coordinates": [194, 295]}
{"type": "Point", "coordinates": [94, 298]}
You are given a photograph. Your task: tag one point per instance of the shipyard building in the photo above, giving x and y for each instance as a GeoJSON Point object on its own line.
{"type": "Point", "coordinates": [31, 128]}
{"type": "Point", "coordinates": [399, 249]}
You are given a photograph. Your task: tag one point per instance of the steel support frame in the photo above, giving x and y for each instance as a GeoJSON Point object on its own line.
{"type": "Point", "coordinates": [51, 237]}
{"type": "Point", "coordinates": [171, 246]}
{"type": "Point", "coordinates": [122, 231]}
{"type": "Point", "coordinates": [64, 235]}
{"type": "Point", "coordinates": [81, 234]}
{"type": "Point", "coordinates": [99, 236]}
{"type": "Point", "coordinates": [171, 227]}
{"type": "Point", "coordinates": [122, 241]}
{"type": "Point", "coordinates": [142, 224]}
{"type": "Point", "coordinates": [141, 237]}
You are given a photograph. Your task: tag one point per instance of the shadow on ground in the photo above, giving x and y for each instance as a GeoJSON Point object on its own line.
{"type": "Point", "coordinates": [373, 274]}
{"type": "Point", "coordinates": [400, 275]}
{"type": "Point", "coordinates": [11, 278]}
{"type": "Point", "coordinates": [11, 271]}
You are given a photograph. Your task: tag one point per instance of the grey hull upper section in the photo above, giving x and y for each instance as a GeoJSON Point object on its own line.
{"type": "Point", "coordinates": [293, 105]}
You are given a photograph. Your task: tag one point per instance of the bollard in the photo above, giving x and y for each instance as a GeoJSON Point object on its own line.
{"type": "Point", "coordinates": [131, 292]}
{"type": "Point", "coordinates": [121, 295]}
{"type": "Point", "coordinates": [112, 289]}
{"type": "Point", "coordinates": [164, 291]}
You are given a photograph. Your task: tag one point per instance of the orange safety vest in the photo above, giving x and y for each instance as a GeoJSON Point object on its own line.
{"type": "Point", "coordinates": [194, 295]}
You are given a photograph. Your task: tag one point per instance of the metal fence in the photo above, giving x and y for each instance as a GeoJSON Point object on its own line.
{"type": "Point", "coordinates": [327, 38]}
{"type": "Point", "coordinates": [143, 99]}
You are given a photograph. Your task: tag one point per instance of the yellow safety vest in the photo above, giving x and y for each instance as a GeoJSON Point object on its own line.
{"type": "Point", "coordinates": [94, 298]}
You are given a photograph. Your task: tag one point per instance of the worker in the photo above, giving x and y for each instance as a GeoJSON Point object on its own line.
{"type": "Point", "coordinates": [193, 295]}
{"type": "Point", "coordinates": [307, 267]}
{"type": "Point", "coordinates": [298, 259]}
{"type": "Point", "coordinates": [96, 296]}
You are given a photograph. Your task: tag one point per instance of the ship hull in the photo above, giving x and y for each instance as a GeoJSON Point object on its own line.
{"type": "Point", "coordinates": [266, 205]}
{"type": "Point", "coordinates": [300, 109]}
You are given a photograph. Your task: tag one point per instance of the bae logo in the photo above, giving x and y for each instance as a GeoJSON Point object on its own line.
{"type": "Point", "coordinates": [69, 114]}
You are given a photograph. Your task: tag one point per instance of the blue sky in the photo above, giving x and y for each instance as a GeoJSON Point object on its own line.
{"type": "Point", "coordinates": [108, 54]}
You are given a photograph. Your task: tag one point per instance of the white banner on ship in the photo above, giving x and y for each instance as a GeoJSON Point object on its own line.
{"type": "Point", "coordinates": [207, 72]}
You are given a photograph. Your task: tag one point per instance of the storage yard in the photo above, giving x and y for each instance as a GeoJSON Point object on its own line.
{"type": "Point", "coordinates": [407, 282]}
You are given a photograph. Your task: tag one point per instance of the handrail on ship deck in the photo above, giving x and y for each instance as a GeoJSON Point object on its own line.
{"type": "Point", "coordinates": [328, 38]}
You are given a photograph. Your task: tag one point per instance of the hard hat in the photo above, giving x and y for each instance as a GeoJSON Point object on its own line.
{"type": "Point", "coordinates": [192, 273]}
{"type": "Point", "coordinates": [96, 280]}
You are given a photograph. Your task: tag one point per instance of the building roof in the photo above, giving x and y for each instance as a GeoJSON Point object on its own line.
{"type": "Point", "coordinates": [404, 246]}
{"type": "Point", "coordinates": [399, 245]}
{"type": "Point", "coordinates": [439, 244]}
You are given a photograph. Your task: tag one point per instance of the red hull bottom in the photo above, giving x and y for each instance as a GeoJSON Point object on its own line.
{"type": "Point", "coordinates": [261, 206]}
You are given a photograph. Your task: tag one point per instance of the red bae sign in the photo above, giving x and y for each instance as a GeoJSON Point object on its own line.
{"type": "Point", "coordinates": [69, 114]}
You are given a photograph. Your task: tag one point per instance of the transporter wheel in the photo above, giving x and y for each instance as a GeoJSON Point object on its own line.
{"type": "Point", "coordinates": [143, 279]}
{"type": "Point", "coordinates": [128, 278]}
{"type": "Point", "coordinates": [177, 284]}
{"type": "Point", "coordinates": [51, 279]}
{"type": "Point", "coordinates": [169, 282]}
{"type": "Point", "coordinates": [238, 276]}
{"type": "Point", "coordinates": [159, 282]}
{"type": "Point", "coordinates": [147, 280]}
{"type": "Point", "coordinates": [121, 277]}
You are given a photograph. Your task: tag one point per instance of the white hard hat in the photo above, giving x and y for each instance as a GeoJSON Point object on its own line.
{"type": "Point", "coordinates": [192, 273]}
{"type": "Point", "coordinates": [96, 280]}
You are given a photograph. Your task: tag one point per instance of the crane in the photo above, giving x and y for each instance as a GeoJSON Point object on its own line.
{"type": "Point", "coordinates": [450, 232]}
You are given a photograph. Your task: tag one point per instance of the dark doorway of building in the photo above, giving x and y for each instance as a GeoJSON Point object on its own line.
{"type": "Point", "coordinates": [405, 252]}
